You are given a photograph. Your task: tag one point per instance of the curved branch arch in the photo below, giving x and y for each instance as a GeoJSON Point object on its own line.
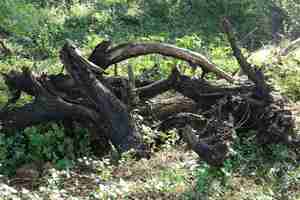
{"type": "Point", "coordinates": [104, 56]}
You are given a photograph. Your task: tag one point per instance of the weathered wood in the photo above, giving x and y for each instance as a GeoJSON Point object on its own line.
{"type": "Point", "coordinates": [162, 107]}
{"type": "Point", "coordinates": [151, 90]}
{"type": "Point", "coordinates": [105, 57]}
{"type": "Point", "coordinates": [100, 103]}
{"type": "Point", "coordinates": [253, 73]}
{"type": "Point", "coordinates": [133, 97]}
{"type": "Point", "coordinates": [207, 94]}
{"type": "Point", "coordinates": [46, 107]}
{"type": "Point", "coordinates": [114, 113]}
{"type": "Point", "coordinates": [181, 119]}
{"type": "Point", "coordinates": [213, 154]}
{"type": "Point", "coordinates": [81, 60]}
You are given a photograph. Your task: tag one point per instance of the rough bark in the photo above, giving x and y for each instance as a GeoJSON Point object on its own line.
{"type": "Point", "coordinates": [116, 119]}
{"type": "Point", "coordinates": [206, 114]}
{"type": "Point", "coordinates": [99, 110]}
{"type": "Point", "coordinates": [253, 73]}
{"type": "Point", "coordinates": [213, 153]}
{"type": "Point", "coordinates": [162, 107]}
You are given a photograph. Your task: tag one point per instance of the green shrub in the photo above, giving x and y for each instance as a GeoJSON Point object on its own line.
{"type": "Point", "coordinates": [289, 84]}
{"type": "Point", "coordinates": [35, 28]}
{"type": "Point", "coordinates": [52, 3]}
{"type": "Point", "coordinates": [159, 8]}
{"type": "Point", "coordinates": [291, 9]}
{"type": "Point", "coordinates": [40, 145]}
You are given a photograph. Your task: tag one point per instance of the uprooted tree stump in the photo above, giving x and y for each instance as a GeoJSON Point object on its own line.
{"type": "Point", "coordinates": [205, 114]}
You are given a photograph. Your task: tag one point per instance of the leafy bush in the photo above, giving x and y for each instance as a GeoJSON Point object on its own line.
{"type": "Point", "coordinates": [292, 24]}
{"type": "Point", "coordinates": [19, 18]}
{"type": "Point", "coordinates": [159, 8]}
{"type": "Point", "coordinates": [40, 145]}
{"type": "Point", "coordinates": [288, 81]}
{"type": "Point", "coordinates": [52, 3]}
{"type": "Point", "coordinates": [31, 26]}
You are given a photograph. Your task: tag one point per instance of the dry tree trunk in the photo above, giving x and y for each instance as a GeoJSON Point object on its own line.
{"type": "Point", "coordinates": [95, 106]}
{"type": "Point", "coordinates": [100, 103]}
{"type": "Point", "coordinates": [115, 118]}
{"type": "Point", "coordinates": [161, 108]}
{"type": "Point", "coordinates": [248, 106]}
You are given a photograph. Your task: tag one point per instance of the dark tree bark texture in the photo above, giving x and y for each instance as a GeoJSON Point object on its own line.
{"type": "Point", "coordinates": [205, 114]}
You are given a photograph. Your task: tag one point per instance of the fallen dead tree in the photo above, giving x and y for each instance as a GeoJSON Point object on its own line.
{"type": "Point", "coordinates": [206, 114]}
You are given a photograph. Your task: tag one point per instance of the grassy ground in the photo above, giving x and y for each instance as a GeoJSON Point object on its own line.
{"type": "Point", "coordinates": [51, 169]}
{"type": "Point", "coordinates": [171, 173]}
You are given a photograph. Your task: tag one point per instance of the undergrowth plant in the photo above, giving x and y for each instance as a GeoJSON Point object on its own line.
{"type": "Point", "coordinates": [40, 145]}
{"type": "Point", "coordinates": [272, 168]}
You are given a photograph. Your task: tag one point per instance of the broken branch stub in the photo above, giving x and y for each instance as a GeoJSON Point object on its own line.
{"type": "Point", "coordinates": [214, 153]}
{"type": "Point", "coordinates": [46, 106]}
{"type": "Point", "coordinates": [114, 113]}
{"type": "Point", "coordinates": [254, 74]}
